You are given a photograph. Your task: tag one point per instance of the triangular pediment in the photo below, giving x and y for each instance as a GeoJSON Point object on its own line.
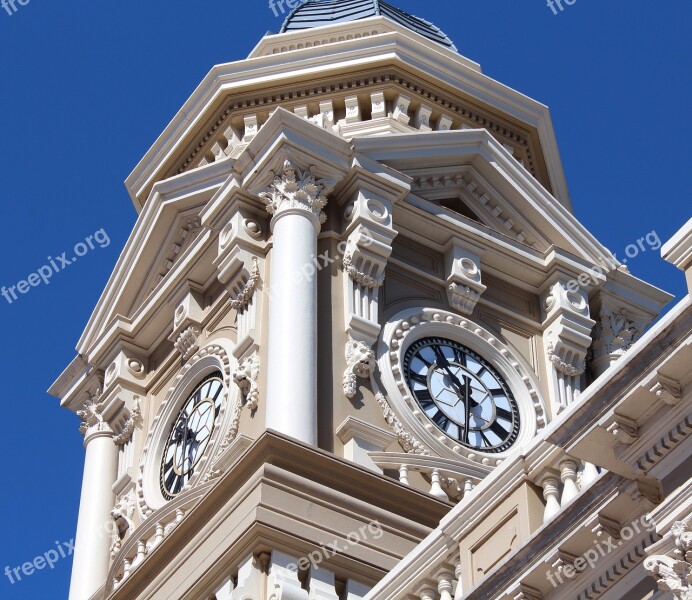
{"type": "Point", "coordinates": [469, 175]}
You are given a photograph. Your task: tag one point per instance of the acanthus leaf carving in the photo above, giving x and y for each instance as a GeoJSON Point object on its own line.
{"type": "Point", "coordinates": [360, 277]}
{"type": "Point", "coordinates": [360, 362]}
{"type": "Point", "coordinates": [92, 415]}
{"type": "Point", "coordinates": [243, 298]}
{"type": "Point", "coordinates": [132, 421]}
{"type": "Point", "coordinates": [562, 366]}
{"type": "Point", "coordinates": [615, 333]}
{"type": "Point", "coordinates": [674, 573]}
{"type": "Point", "coordinates": [296, 188]}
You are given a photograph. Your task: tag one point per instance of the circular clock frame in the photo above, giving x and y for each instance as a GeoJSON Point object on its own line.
{"type": "Point", "coordinates": [411, 325]}
{"type": "Point", "coordinates": [206, 361]}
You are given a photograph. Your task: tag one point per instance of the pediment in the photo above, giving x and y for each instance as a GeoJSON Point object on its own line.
{"type": "Point", "coordinates": [490, 186]}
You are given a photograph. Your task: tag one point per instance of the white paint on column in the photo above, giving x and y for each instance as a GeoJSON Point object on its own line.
{"type": "Point", "coordinates": [92, 548]}
{"type": "Point", "coordinates": [292, 384]}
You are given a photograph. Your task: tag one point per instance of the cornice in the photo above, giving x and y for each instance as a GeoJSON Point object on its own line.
{"type": "Point", "coordinates": [403, 47]}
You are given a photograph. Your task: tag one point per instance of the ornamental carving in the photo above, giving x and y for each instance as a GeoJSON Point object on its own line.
{"type": "Point", "coordinates": [358, 276]}
{"type": "Point", "coordinates": [674, 573]}
{"type": "Point", "coordinates": [562, 366]}
{"type": "Point", "coordinates": [246, 376]}
{"type": "Point", "coordinates": [295, 188]}
{"type": "Point", "coordinates": [91, 415]}
{"type": "Point", "coordinates": [123, 514]}
{"type": "Point", "coordinates": [615, 333]}
{"type": "Point", "coordinates": [132, 421]}
{"type": "Point", "coordinates": [360, 362]}
{"type": "Point", "coordinates": [243, 298]}
{"type": "Point", "coordinates": [188, 341]}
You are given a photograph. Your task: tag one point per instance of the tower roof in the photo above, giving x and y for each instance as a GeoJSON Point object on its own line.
{"type": "Point", "coordinates": [314, 13]}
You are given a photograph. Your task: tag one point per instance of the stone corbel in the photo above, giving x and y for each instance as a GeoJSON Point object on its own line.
{"type": "Point", "coordinates": [188, 322]}
{"type": "Point", "coordinates": [667, 390]}
{"type": "Point", "coordinates": [246, 377]}
{"type": "Point", "coordinates": [368, 201]}
{"type": "Point", "coordinates": [526, 592]}
{"type": "Point", "coordinates": [463, 266]}
{"type": "Point", "coordinates": [624, 431]}
{"type": "Point", "coordinates": [128, 367]}
{"type": "Point", "coordinates": [567, 336]}
{"type": "Point", "coordinates": [133, 420]}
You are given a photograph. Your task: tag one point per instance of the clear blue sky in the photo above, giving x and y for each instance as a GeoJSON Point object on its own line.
{"type": "Point", "coordinates": [88, 86]}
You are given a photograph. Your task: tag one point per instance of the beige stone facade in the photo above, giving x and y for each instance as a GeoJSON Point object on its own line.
{"type": "Point", "coordinates": [312, 216]}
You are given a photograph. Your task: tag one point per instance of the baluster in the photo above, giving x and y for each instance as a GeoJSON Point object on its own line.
{"type": "Point", "coordinates": [403, 474]}
{"type": "Point", "coordinates": [445, 585]}
{"type": "Point", "coordinates": [551, 494]}
{"type": "Point", "coordinates": [427, 593]}
{"type": "Point", "coordinates": [459, 593]}
{"type": "Point", "coordinates": [436, 489]}
{"type": "Point", "coordinates": [468, 487]}
{"type": "Point", "coordinates": [568, 474]}
{"type": "Point", "coordinates": [589, 475]}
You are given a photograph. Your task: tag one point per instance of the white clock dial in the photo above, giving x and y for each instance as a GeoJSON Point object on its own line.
{"type": "Point", "coordinates": [190, 435]}
{"type": "Point", "coordinates": [462, 394]}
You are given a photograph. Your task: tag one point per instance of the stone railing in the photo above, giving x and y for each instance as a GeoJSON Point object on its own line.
{"type": "Point", "coordinates": [450, 480]}
{"type": "Point", "coordinates": [148, 536]}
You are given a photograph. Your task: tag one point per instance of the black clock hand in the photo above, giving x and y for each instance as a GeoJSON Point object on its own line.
{"type": "Point", "coordinates": [467, 409]}
{"type": "Point", "coordinates": [456, 384]}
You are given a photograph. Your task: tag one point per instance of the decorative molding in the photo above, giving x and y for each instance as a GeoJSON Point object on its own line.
{"type": "Point", "coordinates": [244, 296]}
{"type": "Point", "coordinates": [674, 573]}
{"type": "Point", "coordinates": [205, 360]}
{"type": "Point", "coordinates": [188, 341]}
{"type": "Point", "coordinates": [624, 431]}
{"type": "Point", "coordinates": [360, 362]}
{"type": "Point", "coordinates": [615, 333]}
{"type": "Point", "coordinates": [360, 277]}
{"type": "Point", "coordinates": [133, 421]}
{"type": "Point", "coordinates": [123, 514]}
{"type": "Point", "coordinates": [408, 442]}
{"type": "Point", "coordinates": [526, 592]}
{"type": "Point", "coordinates": [296, 188]}
{"type": "Point", "coordinates": [667, 390]}
{"type": "Point", "coordinates": [246, 376]}
{"type": "Point", "coordinates": [464, 287]}
{"type": "Point", "coordinates": [92, 416]}
{"type": "Point", "coordinates": [412, 324]}
{"type": "Point", "coordinates": [563, 367]}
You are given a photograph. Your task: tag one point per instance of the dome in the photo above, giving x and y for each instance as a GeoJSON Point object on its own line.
{"type": "Point", "coordinates": [315, 13]}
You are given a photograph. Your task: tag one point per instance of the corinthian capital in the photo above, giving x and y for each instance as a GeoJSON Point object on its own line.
{"type": "Point", "coordinates": [296, 188]}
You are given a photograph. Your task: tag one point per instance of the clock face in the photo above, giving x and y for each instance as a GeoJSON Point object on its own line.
{"type": "Point", "coordinates": [190, 435]}
{"type": "Point", "coordinates": [462, 394]}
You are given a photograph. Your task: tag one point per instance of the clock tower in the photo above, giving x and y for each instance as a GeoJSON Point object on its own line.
{"type": "Point", "coordinates": [355, 297]}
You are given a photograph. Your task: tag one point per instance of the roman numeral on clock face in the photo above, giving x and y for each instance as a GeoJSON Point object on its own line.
{"type": "Point", "coordinates": [462, 394]}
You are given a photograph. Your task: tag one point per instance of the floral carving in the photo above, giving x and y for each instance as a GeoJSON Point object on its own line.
{"type": "Point", "coordinates": [122, 514]}
{"type": "Point", "coordinates": [91, 415]}
{"type": "Point", "coordinates": [562, 366]}
{"type": "Point", "coordinates": [615, 333]}
{"type": "Point", "coordinates": [133, 420]}
{"type": "Point", "coordinates": [293, 188]}
{"type": "Point", "coordinates": [674, 573]}
{"type": "Point", "coordinates": [360, 361]}
{"type": "Point", "coordinates": [242, 299]}
{"type": "Point", "coordinates": [246, 376]}
{"type": "Point", "coordinates": [407, 441]}
{"type": "Point", "coordinates": [358, 276]}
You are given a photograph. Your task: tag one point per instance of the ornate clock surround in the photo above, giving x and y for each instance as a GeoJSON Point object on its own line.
{"type": "Point", "coordinates": [203, 363]}
{"type": "Point", "coordinates": [414, 324]}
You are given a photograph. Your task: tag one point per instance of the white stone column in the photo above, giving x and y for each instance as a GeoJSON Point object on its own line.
{"type": "Point", "coordinates": [295, 199]}
{"type": "Point", "coordinates": [93, 540]}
